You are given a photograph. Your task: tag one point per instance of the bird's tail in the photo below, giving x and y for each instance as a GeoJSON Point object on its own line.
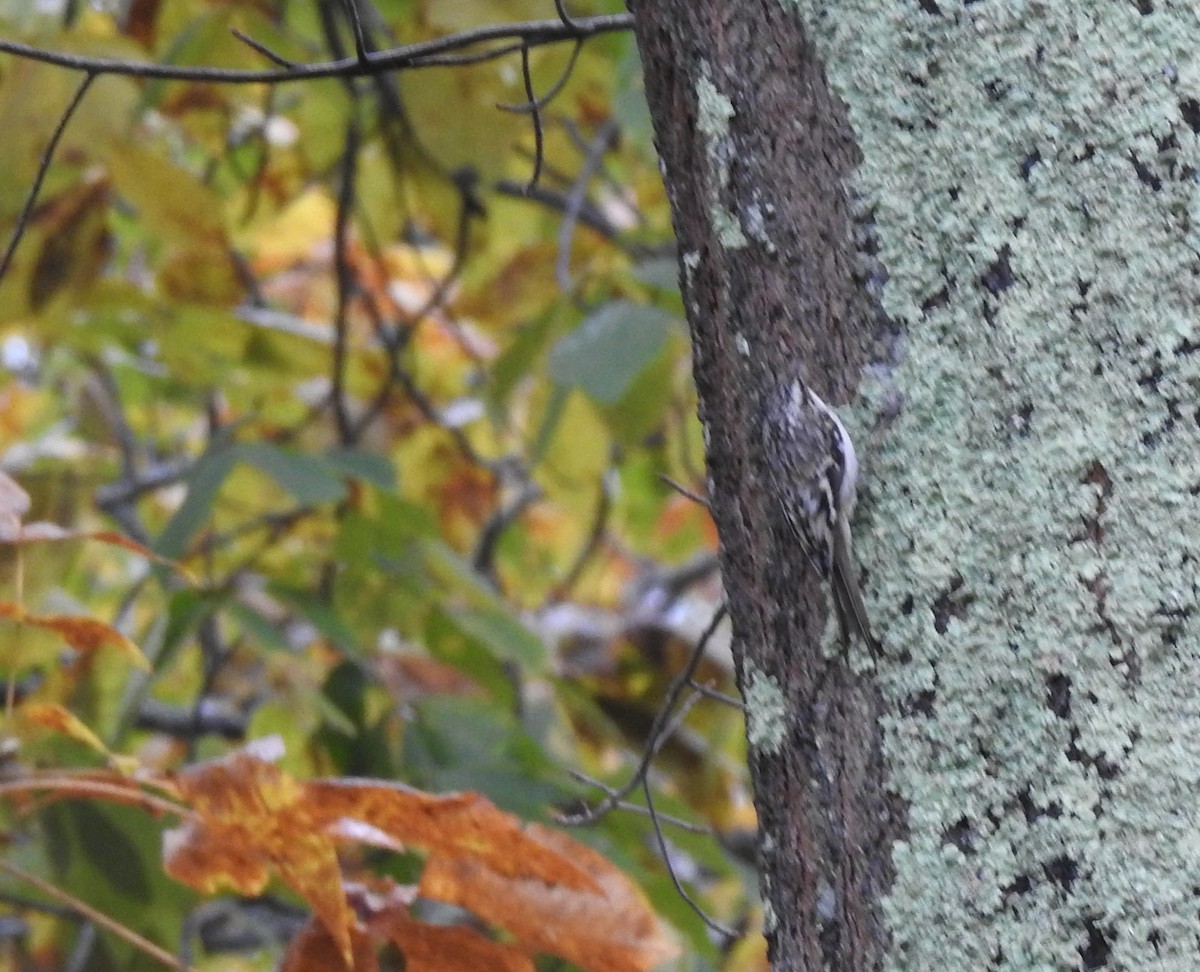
{"type": "Point", "coordinates": [852, 613]}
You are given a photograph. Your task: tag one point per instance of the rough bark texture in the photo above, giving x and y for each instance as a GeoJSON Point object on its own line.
{"type": "Point", "coordinates": [755, 153]}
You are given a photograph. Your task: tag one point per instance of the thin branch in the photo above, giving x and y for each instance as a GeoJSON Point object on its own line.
{"type": "Point", "coordinates": [483, 560]}
{"type": "Point", "coordinates": [97, 917]}
{"type": "Point", "coordinates": [345, 284]}
{"type": "Point", "coordinates": [637, 808]}
{"type": "Point", "coordinates": [575, 200]}
{"type": "Point", "coordinates": [563, 15]}
{"type": "Point", "coordinates": [684, 491]}
{"type": "Point", "coordinates": [360, 40]}
{"type": "Point", "coordinates": [712, 923]}
{"type": "Point", "coordinates": [711, 693]}
{"type": "Point", "coordinates": [532, 32]}
{"type": "Point", "coordinates": [533, 105]}
{"type": "Point", "coordinates": [588, 214]}
{"type": "Point", "coordinates": [43, 167]}
{"type": "Point", "coordinates": [663, 720]}
{"type": "Point", "coordinates": [459, 60]}
{"type": "Point", "coordinates": [262, 49]}
{"type": "Point", "coordinates": [539, 136]}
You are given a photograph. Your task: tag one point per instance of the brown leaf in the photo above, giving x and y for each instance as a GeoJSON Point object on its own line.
{"type": "Point", "coordinates": [456, 825]}
{"type": "Point", "coordinates": [612, 930]}
{"type": "Point", "coordinates": [435, 948]}
{"type": "Point", "coordinates": [81, 633]}
{"type": "Point", "coordinates": [75, 243]}
{"type": "Point", "coordinates": [141, 20]}
{"type": "Point", "coordinates": [251, 817]}
{"type": "Point", "coordinates": [52, 716]}
{"type": "Point", "coordinates": [552, 893]}
{"type": "Point", "coordinates": [315, 950]}
{"type": "Point", "coordinates": [42, 532]}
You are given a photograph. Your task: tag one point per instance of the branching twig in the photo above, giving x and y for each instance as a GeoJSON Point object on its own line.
{"type": "Point", "coordinates": [575, 201]}
{"type": "Point", "coordinates": [262, 49]}
{"type": "Point", "coordinates": [360, 42]}
{"type": "Point", "coordinates": [637, 808]}
{"type": "Point", "coordinates": [421, 54]}
{"type": "Point", "coordinates": [712, 923]}
{"type": "Point", "coordinates": [345, 284]}
{"type": "Point", "coordinates": [535, 104]}
{"type": "Point", "coordinates": [684, 491]}
{"type": "Point", "coordinates": [98, 917]}
{"type": "Point", "coordinates": [657, 736]}
{"type": "Point", "coordinates": [43, 167]}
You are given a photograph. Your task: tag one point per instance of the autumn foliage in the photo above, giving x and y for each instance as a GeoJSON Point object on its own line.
{"type": "Point", "coordinates": [347, 437]}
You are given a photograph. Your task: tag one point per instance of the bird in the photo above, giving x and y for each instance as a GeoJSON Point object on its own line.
{"type": "Point", "coordinates": [812, 451]}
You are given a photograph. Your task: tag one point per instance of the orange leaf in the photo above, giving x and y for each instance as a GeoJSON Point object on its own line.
{"type": "Point", "coordinates": [315, 950]}
{"type": "Point", "coordinates": [49, 715]}
{"type": "Point", "coordinates": [42, 532]}
{"type": "Point", "coordinates": [81, 633]}
{"type": "Point", "coordinates": [551, 892]}
{"type": "Point", "coordinates": [612, 930]}
{"type": "Point", "coordinates": [436, 948]}
{"type": "Point", "coordinates": [251, 817]}
{"type": "Point", "coordinates": [456, 825]}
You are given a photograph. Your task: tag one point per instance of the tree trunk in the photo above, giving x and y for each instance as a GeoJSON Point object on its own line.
{"type": "Point", "coordinates": [756, 152]}
{"type": "Point", "coordinates": [1031, 170]}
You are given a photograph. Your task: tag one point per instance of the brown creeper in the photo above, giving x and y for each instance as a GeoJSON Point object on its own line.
{"type": "Point", "coordinates": [809, 445]}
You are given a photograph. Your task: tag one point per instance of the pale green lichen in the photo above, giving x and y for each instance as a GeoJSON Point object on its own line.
{"type": "Point", "coordinates": [1029, 523]}
{"type": "Point", "coordinates": [714, 110]}
{"type": "Point", "coordinates": [766, 711]}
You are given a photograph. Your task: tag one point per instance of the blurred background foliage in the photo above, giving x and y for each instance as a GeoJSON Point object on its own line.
{"type": "Point", "coordinates": [404, 416]}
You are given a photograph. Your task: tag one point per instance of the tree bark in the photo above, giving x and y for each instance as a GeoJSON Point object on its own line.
{"type": "Point", "coordinates": [755, 153]}
{"type": "Point", "coordinates": [1032, 170]}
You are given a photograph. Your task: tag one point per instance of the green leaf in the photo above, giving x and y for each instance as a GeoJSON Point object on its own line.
{"type": "Point", "coordinates": [204, 481]}
{"type": "Point", "coordinates": [609, 348]}
{"type": "Point", "coordinates": [462, 743]}
{"type": "Point", "coordinates": [517, 360]}
{"type": "Point", "coordinates": [370, 467]}
{"type": "Point", "coordinates": [662, 273]}
{"type": "Point", "coordinates": [323, 617]}
{"type": "Point", "coordinates": [310, 479]}
{"type": "Point", "coordinates": [504, 635]}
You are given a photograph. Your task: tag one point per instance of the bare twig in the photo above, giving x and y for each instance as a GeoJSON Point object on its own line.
{"type": "Point", "coordinates": [575, 200]}
{"type": "Point", "coordinates": [483, 560]}
{"type": "Point", "coordinates": [684, 491]}
{"type": "Point", "coordinates": [539, 137]}
{"type": "Point", "coordinates": [535, 104]}
{"type": "Point", "coordinates": [637, 808]}
{"type": "Point", "coordinates": [711, 693]}
{"type": "Point", "coordinates": [658, 734]}
{"type": "Point", "coordinates": [712, 923]}
{"type": "Point", "coordinates": [43, 167]}
{"type": "Point", "coordinates": [532, 32]}
{"type": "Point", "coordinates": [345, 286]}
{"type": "Point", "coordinates": [98, 917]}
{"type": "Point", "coordinates": [360, 41]}
{"type": "Point", "coordinates": [262, 49]}
{"type": "Point", "coordinates": [563, 15]}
